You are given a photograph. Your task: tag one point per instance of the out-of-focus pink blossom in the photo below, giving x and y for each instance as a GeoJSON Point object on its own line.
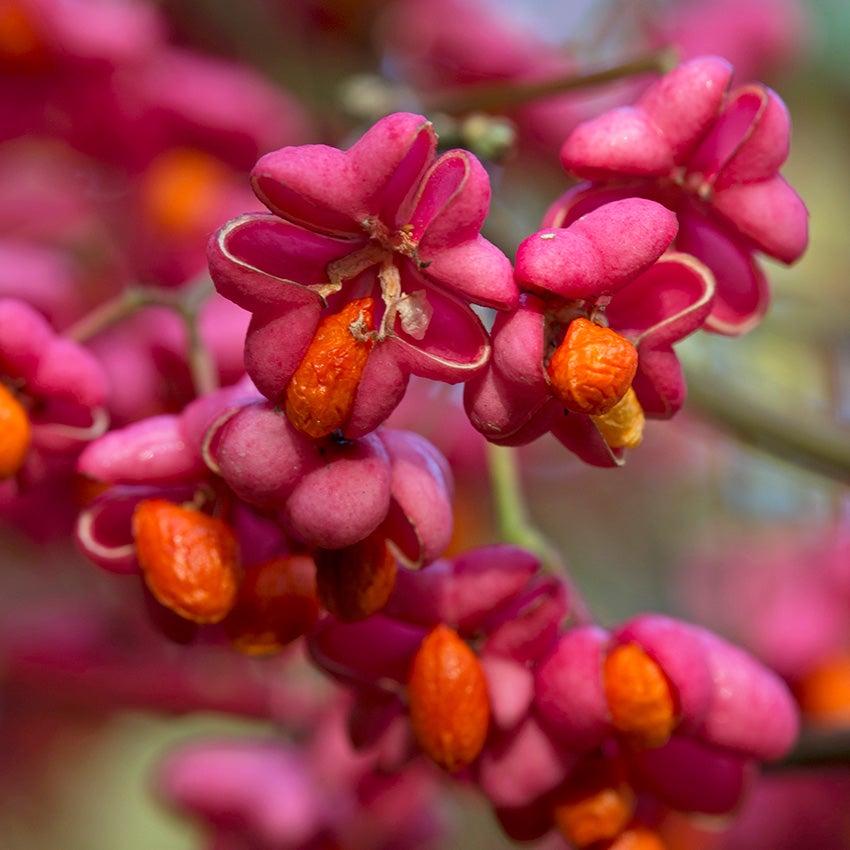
{"type": "Point", "coordinates": [782, 812]}
{"type": "Point", "coordinates": [758, 37]}
{"type": "Point", "coordinates": [308, 795]}
{"type": "Point", "coordinates": [59, 57]}
{"type": "Point", "coordinates": [146, 356]}
{"type": "Point", "coordinates": [226, 108]}
{"type": "Point", "coordinates": [447, 45]}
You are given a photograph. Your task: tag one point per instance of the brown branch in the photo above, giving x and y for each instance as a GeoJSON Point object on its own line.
{"type": "Point", "coordinates": [816, 748]}
{"type": "Point", "coordinates": [506, 93]}
{"type": "Point", "coordinates": [799, 437]}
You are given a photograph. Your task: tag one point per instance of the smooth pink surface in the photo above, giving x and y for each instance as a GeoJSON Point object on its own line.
{"type": "Point", "coordinates": [570, 698]}
{"type": "Point", "coordinates": [724, 150]}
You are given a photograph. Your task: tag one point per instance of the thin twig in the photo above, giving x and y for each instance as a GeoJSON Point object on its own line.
{"type": "Point", "coordinates": [806, 440]}
{"type": "Point", "coordinates": [186, 302]}
{"type": "Point", "coordinates": [109, 313]}
{"type": "Point", "coordinates": [816, 748]}
{"type": "Point", "coordinates": [506, 93]}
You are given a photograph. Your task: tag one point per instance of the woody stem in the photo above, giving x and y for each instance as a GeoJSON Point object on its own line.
{"type": "Point", "coordinates": [815, 749]}
{"type": "Point", "coordinates": [807, 441]}
{"type": "Point", "coordinates": [507, 93]}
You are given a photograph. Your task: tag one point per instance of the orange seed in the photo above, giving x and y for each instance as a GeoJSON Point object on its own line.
{"type": "Point", "coordinates": [356, 581]}
{"type": "Point", "coordinates": [640, 698]}
{"type": "Point", "coordinates": [599, 813]}
{"type": "Point", "coordinates": [275, 605]}
{"type": "Point", "coordinates": [592, 368]}
{"type": "Point", "coordinates": [22, 46]}
{"type": "Point", "coordinates": [190, 560]}
{"type": "Point", "coordinates": [448, 699]}
{"type": "Point", "coordinates": [180, 187]}
{"type": "Point", "coordinates": [320, 395]}
{"type": "Point", "coordinates": [15, 434]}
{"type": "Point", "coordinates": [824, 693]}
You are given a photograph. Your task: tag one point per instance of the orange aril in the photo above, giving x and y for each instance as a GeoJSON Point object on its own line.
{"type": "Point", "coordinates": [320, 395]}
{"type": "Point", "coordinates": [275, 605]}
{"type": "Point", "coordinates": [592, 368]}
{"type": "Point", "coordinates": [824, 693]}
{"type": "Point", "coordinates": [598, 812]}
{"type": "Point", "coordinates": [448, 699]}
{"type": "Point", "coordinates": [180, 187]}
{"type": "Point", "coordinates": [356, 581]}
{"type": "Point", "coordinates": [21, 44]}
{"type": "Point", "coordinates": [189, 560]}
{"type": "Point", "coordinates": [640, 698]}
{"type": "Point", "coordinates": [15, 434]}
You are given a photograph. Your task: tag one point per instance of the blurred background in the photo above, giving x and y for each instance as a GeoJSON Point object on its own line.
{"type": "Point", "coordinates": [127, 130]}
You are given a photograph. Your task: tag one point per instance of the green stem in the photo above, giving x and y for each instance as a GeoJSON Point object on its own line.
{"type": "Point", "coordinates": [202, 366]}
{"type": "Point", "coordinates": [506, 93]}
{"type": "Point", "coordinates": [511, 511]}
{"type": "Point", "coordinates": [109, 313]}
{"type": "Point", "coordinates": [515, 525]}
{"type": "Point", "coordinates": [186, 302]}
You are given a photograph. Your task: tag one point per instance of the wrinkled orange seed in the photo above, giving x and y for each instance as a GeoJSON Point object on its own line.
{"type": "Point", "coordinates": [640, 698]}
{"type": "Point", "coordinates": [622, 426]}
{"type": "Point", "coordinates": [15, 434]}
{"type": "Point", "coordinates": [448, 699]}
{"type": "Point", "coordinates": [275, 605]}
{"type": "Point", "coordinates": [189, 560]}
{"type": "Point", "coordinates": [356, 581]}
{"type": "Point", "coordinates": [592, 368]}
{"type": "Point", "coordinates": [320, 395]}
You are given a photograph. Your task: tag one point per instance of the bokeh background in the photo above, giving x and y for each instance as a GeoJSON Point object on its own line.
{"type": "Point", "coordinates": [702, 520]}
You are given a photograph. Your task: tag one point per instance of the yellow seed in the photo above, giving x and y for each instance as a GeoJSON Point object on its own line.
{"type": "Point", "coordinates": [622, 426]}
